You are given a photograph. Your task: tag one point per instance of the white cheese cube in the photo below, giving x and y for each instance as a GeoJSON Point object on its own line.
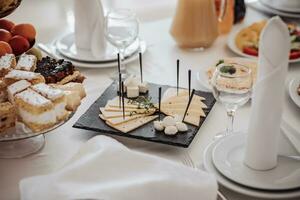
{"type": "Point", "coordinates": [143, 87]}
{"type": "Point", "coordinates": [132, 92]}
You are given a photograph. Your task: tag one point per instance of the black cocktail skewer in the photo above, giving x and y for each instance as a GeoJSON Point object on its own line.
{"type": "Point", "coordinates": [188, 105]}
{"type": "Point", "coordinates": [120, 93]}
{"type": "Point", "coordinates": [189, 78]}
{"type": "Point", "coordinates": [177, 76]}
{"type": "Point", "coordinates": [159, 103]}
{"type": "Point", "coordinates": [123, 103]}
{"type": "Point", "coordinates": [141, 66]}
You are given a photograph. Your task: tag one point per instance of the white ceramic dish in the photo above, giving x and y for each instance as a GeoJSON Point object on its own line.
{"type": "Point", "coordinates": [66, 46]}
{"type": "Point", "coordinates": [293, 86]}
{"type": "Point", "coordinates": [292, 6]}
{"type": "Point", "coordinates": [55, 53]}
{"type": "Point", "coordinates": [209, 166]}
{"type": "Point", "coordinates": [202, 77]}
{"type": "Point", "coordinates": [228, 158]}
{"type": "Point", "coordinates": [235, 49]}
{"type": "Point", "coordinates": [265, 9]}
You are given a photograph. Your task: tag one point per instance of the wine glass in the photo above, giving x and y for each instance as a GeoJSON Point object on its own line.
{"type": "Point", "coordinates": [121, 30]}
{"type": "Point", "coordinates": [232, 86]}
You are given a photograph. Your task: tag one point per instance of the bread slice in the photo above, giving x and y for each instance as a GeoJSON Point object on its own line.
{"type": "Point", "coordinates": [15, 88]}
{"type": "Point", "coordinates": [7, 116]}
{"type": "Point", "coordinates": [36, 111]}
{"type": "Point", "coordinates": [26, 62]}
{"type": "Point", "coordinates": [16, 75]}
{"type": "Point", "coordinates": [57, 97]}
{"type": "Point", "coordinates": [7, 63]}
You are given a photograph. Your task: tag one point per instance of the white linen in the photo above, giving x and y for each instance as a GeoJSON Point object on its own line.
{"type": "Point", "coordinates": [105, 169]}
{"type": "Point", "coordinates": [89, 23]}
{"type": "Point", "coordinates": [268, 96]}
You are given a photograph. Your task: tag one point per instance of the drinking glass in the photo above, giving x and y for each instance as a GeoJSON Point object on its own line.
{"type": "Point", "coordinates": [232, 86]}
{"type": "Point", "coordinates": [121, 30]}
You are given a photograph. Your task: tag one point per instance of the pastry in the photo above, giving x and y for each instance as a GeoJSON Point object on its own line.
{"type": "Point", "coordinates": [35, 111]}
{"type": "Point", "coordinates": [26, 62]}
{"type": "Point", "coordinates": [7, 63]}
{"type": "Point", "coordinates": [17, 87]}
{"type": "Point", "coordinates": [72, 100]}
{"type": "Point", "coordinates": [57, 97]}
{"type": "Point", "coordinates": [72, 86]}
{"type": "Point", "coordinates": [7, 116]}
{"type": "Point", "coordinates": [3, 93]}
{"type": "Point", "coordinates": [16, 75]}
{"type": "Point", "coordinates": [58, 71]}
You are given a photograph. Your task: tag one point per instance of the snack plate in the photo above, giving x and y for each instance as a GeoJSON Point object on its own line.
{"type": "Point", "coordinates": [232, 46]}
{"type": "Point", "coordinates": [90, 119]}
{"type": "Point", "coordinates": [20, 131]}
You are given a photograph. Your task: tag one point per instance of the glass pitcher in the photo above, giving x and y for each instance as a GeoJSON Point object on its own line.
{"type": "Point", "coordinates": [195, 24]}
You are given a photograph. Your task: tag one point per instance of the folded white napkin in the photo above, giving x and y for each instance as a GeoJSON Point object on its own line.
{"type": "Point", "coordinates": [89, 26]}
{"type": "Point", "coordinates": [105, 169]}
{"type": "Point", "coordinates": [268, 96]}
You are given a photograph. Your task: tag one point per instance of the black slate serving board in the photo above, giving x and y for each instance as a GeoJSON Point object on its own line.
{"type": "Point", "coordinates": [90, 119]}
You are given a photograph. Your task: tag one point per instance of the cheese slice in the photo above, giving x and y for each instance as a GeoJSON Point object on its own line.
{"type": "Point", "coordinates": [127, 103]}
{"type": "Point", "coordinates": [118, 109]}
{"type": "Point", "coordinates": [173, 112]}
{"type": "Point", "coordinates": [113, 114]}
{"type": "Point", "coordinates": [193, 105]}
{"type": "Point", "coordinates": [172, 92]}
{"type": "Point", "coordinates": [120, 120]}
{"type": "Point", "coordinates": [133, 124]}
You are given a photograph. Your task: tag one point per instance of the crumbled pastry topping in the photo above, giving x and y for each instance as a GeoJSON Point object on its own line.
{"type": "Point", "coordinates": [6, 60]}
{"type": "Point", "coordinates": [26, 61]}
{"type": "Point", "coordinates": [48, 91]}
{"type": "Point", "coordinates": [33, 98]}
{"type": "Point", "coordinates": [19, 74]}
{"type": "Point", "coordinates": [54, 70]}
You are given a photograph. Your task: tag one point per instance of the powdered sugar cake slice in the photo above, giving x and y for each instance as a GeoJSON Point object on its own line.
{"type": "Point", "coordinates": [16, 75]}
{"type": "Point", "coordinates": [36, 111]}
{"type": "Point", "coordinates": [3, 93]}
{"type": "Point", "coordinates": [7, 62]}
{"type": "Point", "coordinates": [17, 87]}
{"type": "Point", "coordinates": [57, 97]}
{"type": "Point", "coordinates": [7, 116]}
{"type": "Point", "coordinates": [26, 62]}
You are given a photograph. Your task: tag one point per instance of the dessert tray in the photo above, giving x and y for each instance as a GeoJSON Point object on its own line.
{"type": "Point", "coordinates": [146, 129]}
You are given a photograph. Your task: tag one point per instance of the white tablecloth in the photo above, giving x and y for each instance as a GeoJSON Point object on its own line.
{"type": "Point", "coordinates": [53, 18]}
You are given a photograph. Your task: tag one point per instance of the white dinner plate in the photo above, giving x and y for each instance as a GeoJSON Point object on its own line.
{"type": "Point", "coordinates": [228, 158]}
{"type": "Point", "coordinates": [232, 46]}
{"type": "Point", "coordinates": [209, 166]}
{"type": "Point", "coordinates": [202, 77]}
{"type": "Point", "coordinates": [283, 6]}
{"type": "Point", "coordinates": [265, 9]}
{"type": "Point", "coordinates": [66, 46]}
{"type": "Point", "coordinates": [293, 86]}
{"type": "Point", "coordinates": [55, 53]}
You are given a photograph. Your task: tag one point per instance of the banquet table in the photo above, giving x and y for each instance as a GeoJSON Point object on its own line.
{"type": "Point", "coordinates": [53, 18]}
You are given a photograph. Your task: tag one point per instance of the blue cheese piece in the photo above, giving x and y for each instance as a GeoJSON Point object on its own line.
{"type": "Point", "coordinates": [171, 130]}
{"type": "Point", "coordinates": [132, 92]}
{"type": "Point", "coordinates": [182, 127]}
{"type": "Point", "coordinates": [143, 87]}
{"type": "Point", "coordinates": [158, 125]}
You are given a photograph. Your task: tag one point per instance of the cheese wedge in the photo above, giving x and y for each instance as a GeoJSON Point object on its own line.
{"type": "Point", "coordinates": [180, 112]}
{"type": "Point", "coordinates": [198, 105]}
{"type": "Point", "coordinates": [172, 92]}
{"type": "Point", "coordinates": [118, 109]}
{"type": "Point", "coordinates": [121, 120]}
{"type": "Point", "coordinates": [133, 124]}
{"type": "Point", "coordinates": [113, 114]}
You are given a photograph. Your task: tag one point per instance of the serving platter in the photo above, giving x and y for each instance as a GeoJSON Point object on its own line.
{"type": "Point", "coordinates": [90, 119]}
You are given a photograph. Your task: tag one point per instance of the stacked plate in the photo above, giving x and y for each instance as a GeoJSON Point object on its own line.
{"type": "Point", "coordinates": [224, 158]}
{"type": "Point", "coordinates": [65, 48]}
{"type": "Point", "coordinates": [288, 8]}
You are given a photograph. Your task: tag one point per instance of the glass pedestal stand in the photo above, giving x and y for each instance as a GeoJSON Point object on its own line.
{"type": "Point", "coordinates": [22, 147]}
